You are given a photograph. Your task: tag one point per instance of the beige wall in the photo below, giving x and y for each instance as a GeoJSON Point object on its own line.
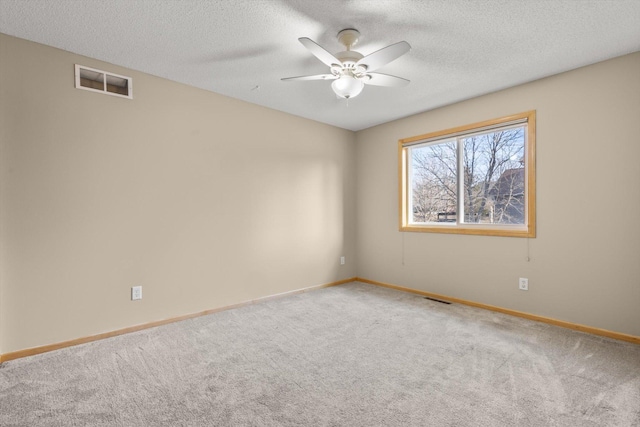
{"type": "Point", "coordinates": [203, 200]}
{"type": "Point", "coordinates": [585, 261]}
{"type": "Point", "coordinates": [207, 201]}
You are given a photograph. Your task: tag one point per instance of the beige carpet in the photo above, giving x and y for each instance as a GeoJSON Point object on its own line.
{"type": "Point", "coordinates": [351, 355]}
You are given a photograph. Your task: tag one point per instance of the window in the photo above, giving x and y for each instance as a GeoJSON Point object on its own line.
{"type": "Point", "coordinates": [101, 81]}
{"type": "Point", "coordinates": [475, 179]}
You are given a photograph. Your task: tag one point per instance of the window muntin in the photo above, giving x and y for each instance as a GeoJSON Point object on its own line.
{"type": "Point", "coordinates": [476, 179]}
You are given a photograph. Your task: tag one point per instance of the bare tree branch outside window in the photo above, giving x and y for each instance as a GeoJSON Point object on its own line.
{"type": "Point", "coordinates": [493, 182]}
{"type": "Point", "coordinates": [434, 181]}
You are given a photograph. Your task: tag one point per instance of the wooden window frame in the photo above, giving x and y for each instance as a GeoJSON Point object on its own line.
{"type": "Point", "coordinates": [528, 229]}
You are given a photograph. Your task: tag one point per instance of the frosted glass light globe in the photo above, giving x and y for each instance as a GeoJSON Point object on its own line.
{"type": "Point", "coordinates": [347, 86]}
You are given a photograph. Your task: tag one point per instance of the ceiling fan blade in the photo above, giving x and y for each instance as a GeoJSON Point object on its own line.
{"type": "Point", "coordinates": [314, 77]}
{"type": "Point", "coordinates": [381, 57]}
{"type": "Point", "coordinates": [319, 52]}
{"type": "Point", "coordinates": [377, 79]}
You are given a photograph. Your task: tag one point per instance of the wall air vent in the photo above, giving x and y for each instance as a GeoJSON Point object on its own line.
{"type": "Point", "coordinates": [103, 82]}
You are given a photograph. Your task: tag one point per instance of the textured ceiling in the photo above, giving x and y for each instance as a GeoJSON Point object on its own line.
{"type": "Point", "coordinates": [242, 48]}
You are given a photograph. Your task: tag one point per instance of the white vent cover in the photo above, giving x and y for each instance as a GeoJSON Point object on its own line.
{"type": "Point", "coordinates": [103, 82]}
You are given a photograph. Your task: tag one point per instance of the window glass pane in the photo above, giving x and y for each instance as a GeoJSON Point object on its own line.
{"type": "Point", "coordinates": [433, 182]}
{"type": "Point", "coordinates": [494, 177]}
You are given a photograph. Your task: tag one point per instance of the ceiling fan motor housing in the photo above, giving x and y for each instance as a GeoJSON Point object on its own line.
{"type": "Point", "coordinates": [349, 58]}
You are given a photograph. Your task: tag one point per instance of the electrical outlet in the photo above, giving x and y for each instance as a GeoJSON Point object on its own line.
{"type": "Point", "coordinates": [136, 293]}
{"type": "Point", "coordinates": [523, 284]}
{"type": "Point", "coordinates": [342, 260]}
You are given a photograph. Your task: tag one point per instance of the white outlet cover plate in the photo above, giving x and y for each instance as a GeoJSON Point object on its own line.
{"type": "Point", "coordinates": [136, 293]}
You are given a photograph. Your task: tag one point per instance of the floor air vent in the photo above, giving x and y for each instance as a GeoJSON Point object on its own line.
{"type": "Point", "coordinates": [437, 300]}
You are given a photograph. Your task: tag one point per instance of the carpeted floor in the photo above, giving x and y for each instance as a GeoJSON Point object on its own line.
{"type": "Point", "coordinates": [350, 355]}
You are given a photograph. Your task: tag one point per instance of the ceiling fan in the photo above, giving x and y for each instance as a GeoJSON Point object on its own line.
{"type": "Point", "coordinates": [350, 70]}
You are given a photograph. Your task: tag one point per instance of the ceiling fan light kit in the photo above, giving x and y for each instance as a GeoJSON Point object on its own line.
{"type": "Point", "coordinates": [347, 86]}
{"type": "Point", "coordinates": [350, 70]}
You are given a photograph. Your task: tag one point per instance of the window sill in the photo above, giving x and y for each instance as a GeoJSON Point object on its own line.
{"type": "Point", "coordinates": [475, 230]}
